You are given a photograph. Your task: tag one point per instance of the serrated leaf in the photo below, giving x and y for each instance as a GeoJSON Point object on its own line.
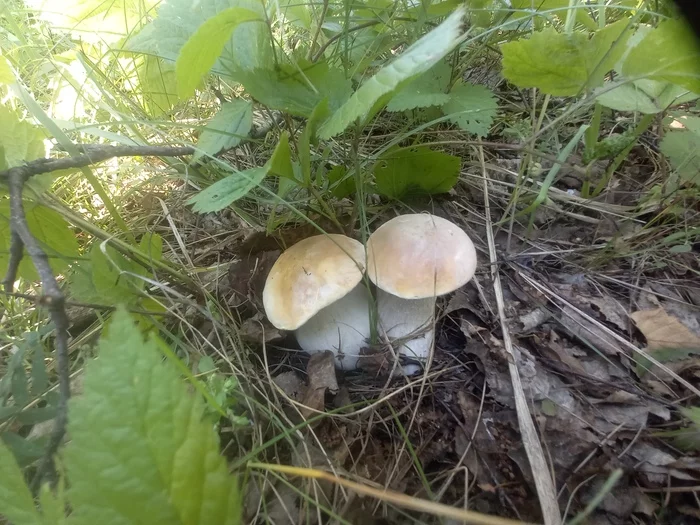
{"type": "Point", "coordinates": [298, 90]}
{"type": "Point", "coordinates": [53, 506]}
{"type": "Point", "coordinates": [226, 129]}
{"type": "Point", "coordinates": [139, 441]}
{"type": "Point", "coordinates": [415, 170]}
{"type": "Point", "coordinates": [16, 502]}
{"type": "Point", "coordinates": [564, 64]}
{"type": "Point", "coordinates": [228, 190]}
{"type": "Point", "coordinates": [50, 230]}
{"type": "Point", "coordinates": [20, 140]}
{"type": "Point", "coordinates": [203, 48]}
{"type": "Point", "coordinates": [472, 108]}
{"type": "Point", "coordinates": [177, 20]}
{"type": "Point", "coordinates": [683, 150]}
{"type": "Point", "coordinates": [668, 52]}
{"type": "Point", "coordinates": [6, 76]}
{"type": "Point", "coordinates": [643, 96]}
{"type": "Point", "coordinates": [429, 89]}
{"type": "Point", "coordinates": [417, 59]}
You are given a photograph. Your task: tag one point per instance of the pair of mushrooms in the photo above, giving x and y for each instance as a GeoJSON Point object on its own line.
{"type": "Point", "coordinates": [315, 288]}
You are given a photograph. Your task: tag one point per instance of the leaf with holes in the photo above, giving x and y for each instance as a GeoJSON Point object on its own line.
{"type": "Point", "coordinates": [228, 190]}
{"type": "Point", "coordinates": [226, 129]}
{"type": "Point", "coordinates": [140, 440]}
{"type": "Point", "coordinates": [472, 108]}
{"type": "Point", "coordinates": [417, 59]}
{"type": "Point", "coordinates": [415, 170]}
{"type": "Point", "coordinates": [429, 89]}
{"type": "Point", "coordinates": [564, 64]}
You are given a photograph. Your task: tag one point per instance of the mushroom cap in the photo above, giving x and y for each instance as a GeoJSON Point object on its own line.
{"type": "Point", "coordinates": [311, 275]}
{"type": "Point", "coordinates": [417, 256]}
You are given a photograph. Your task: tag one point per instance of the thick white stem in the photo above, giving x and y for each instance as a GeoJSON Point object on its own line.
{"type": "Point", "coordinates": [409, 323]}
{"type": "Point", "coordinates": [342, 327]}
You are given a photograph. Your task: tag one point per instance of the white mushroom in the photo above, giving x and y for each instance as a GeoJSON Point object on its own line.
{"type": "Point", "coordinates": [315, 289]}
{"type": "Point", "coordinates": [413, 259]}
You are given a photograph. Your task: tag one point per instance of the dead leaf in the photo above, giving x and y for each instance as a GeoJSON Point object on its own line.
{"type": "Point", "coordinates": [291, 384]}
{"type": "Point", "coordinates": [663, 331]}
{"type": "Point", "coordinates": [321, 373]}
{"type": "Point", "coordinates": [258, 329]}
{"type": "Point", "coordinates": [588, 332]}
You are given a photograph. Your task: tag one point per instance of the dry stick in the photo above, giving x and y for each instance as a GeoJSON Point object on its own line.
{"type": "Point", "coordinates": [21, 237]}
{"type": "Point", "coordinates": [546, 491]}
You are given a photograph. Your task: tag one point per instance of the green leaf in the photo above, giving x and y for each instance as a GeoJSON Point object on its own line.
{"type": "Point", "coordinates": [26, 451]}
{"type": "Point", "coordinates": [228, 127]}
{"type": "Point", "coordinates": [564, 64]}
{"type": "Point", "coordinates": [141, 451]}
{"type": "Point", "coordinates": [203, 48]}
{"type": "Point", "coordinates": [16, 502]}
{"type": "Point", "coordinates": [101, 279]}
{"type": "Point", "coordinates": [417, 59]}
{"type": "Point", "coordinates": [53, 506]}
{"type": "Point", "coordinates": [177, 20]}
{"type": "Point", "coordinates": [429, 89]}
{"type": "Point", "coordinates": [20, 140]}
{"type": "Point", "coordinates": [50, 230]}
{"type": "Point", "coordinates": [472, 108]}
{"type": "Point", "coordinates": [157, 84]}
{"type": "Point", "coordinates": [644, 96]}
{"type": "Point", "coordinates": [228, 190]}
{"type": "Point", "coordinates": [298, 90]}
{"type": "Point", "coordinates": [281, 160]}
{"type": "Point", "coordinates": [152, 245]}
{"type": "Point", "coordinates": [683, 151]}
{"type": "Point", "coordinates": [415, 170]}
{"type": "Point", "coordinates": [669, 52]}
{"type": "Point", "coordinates": [40, 378]}
{"type": "Point", "coordinates": [6, 76]}
{"type": "Point", "coordinates": [559, 8]}
{"type": "Point", "coordinates": [308, 137]}
{"type": "Point", "coordinates": [341, 185]}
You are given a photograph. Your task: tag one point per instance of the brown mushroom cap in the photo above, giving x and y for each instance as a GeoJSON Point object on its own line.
{"type": "Point", "coordinates": [311, 275]}
{"type": "Point", "coordinates": [419, 255]}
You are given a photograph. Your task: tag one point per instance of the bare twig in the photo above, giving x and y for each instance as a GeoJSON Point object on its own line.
{"type": "Point", "coordinates": [544, 484]}
{"type": "Point", "coordinates": [93, 155]}
{"type": "Point", "coordinates": [21, 238]}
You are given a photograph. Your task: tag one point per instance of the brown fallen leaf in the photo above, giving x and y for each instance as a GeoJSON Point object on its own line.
{"type": "Point", "coordinates": [663, 331]}
{"type": "Point", "coordinates": [321, 373]}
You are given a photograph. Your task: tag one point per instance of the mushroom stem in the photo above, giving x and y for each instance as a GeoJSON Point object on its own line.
{"type": "Point", "coordinates": [409, 322]}
{"type": "Point", "coordinates": [342, 327]}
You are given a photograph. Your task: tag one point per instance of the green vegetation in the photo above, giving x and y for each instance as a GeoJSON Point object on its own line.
{"type": "Point", "coordinates": [324, 115]}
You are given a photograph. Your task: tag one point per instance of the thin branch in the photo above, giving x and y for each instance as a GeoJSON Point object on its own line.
{"type": "Point", "coordinates": [52, 296]}
{"type": "Point", "coordinates": [93, 155]}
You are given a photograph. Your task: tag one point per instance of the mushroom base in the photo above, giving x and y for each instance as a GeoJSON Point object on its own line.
{"type": "Point", "coordinates": [409, 322]}
{"type": "Point", "coordinates": [342, 327]}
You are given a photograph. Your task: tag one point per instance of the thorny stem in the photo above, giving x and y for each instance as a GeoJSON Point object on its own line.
{"type": "Point", "coordinates": [21, 238]}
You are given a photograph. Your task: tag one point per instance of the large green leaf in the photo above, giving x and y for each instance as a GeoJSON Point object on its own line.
{"type": "Point", "coordinates": [564, 64]}
{"type": "Point", "coordinates": [228, 190]}
{"type": "Point", "coordinates": [547, 8]}
{"type": "Point", "coordinates": [157, 84]}
{"type": "Point", "coordinates": [297, 90]}
{"type": "Point", "coordinates": [177, 20]}
{"type": "Point", "coordinates": [644, 96]}
{"type": "Point", "coordinates": [417, 59]}
{"type": "Point", "coordinates": [228, 127]}
{"type": "Point", "coordinates": [415, 170]}
{"type": "Point", "coordinates": [668, 52]}
{"type": "Point", "coordinates": [16, 502]}
{"type": "Point", "coordinates": [683, 150]}
{"type": "Point", "coordinates": [20, 140]}
{"type": "Point", "coordinates": [429, 89]}
{"type": "Point", "coordinates": [141, 451]}
{"type": "Point", "coordinates": [472, 108]}
{"type": "Point", "coordinates": [50, 230]}
{"type": "Point", "coordinates": [204, 47]}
